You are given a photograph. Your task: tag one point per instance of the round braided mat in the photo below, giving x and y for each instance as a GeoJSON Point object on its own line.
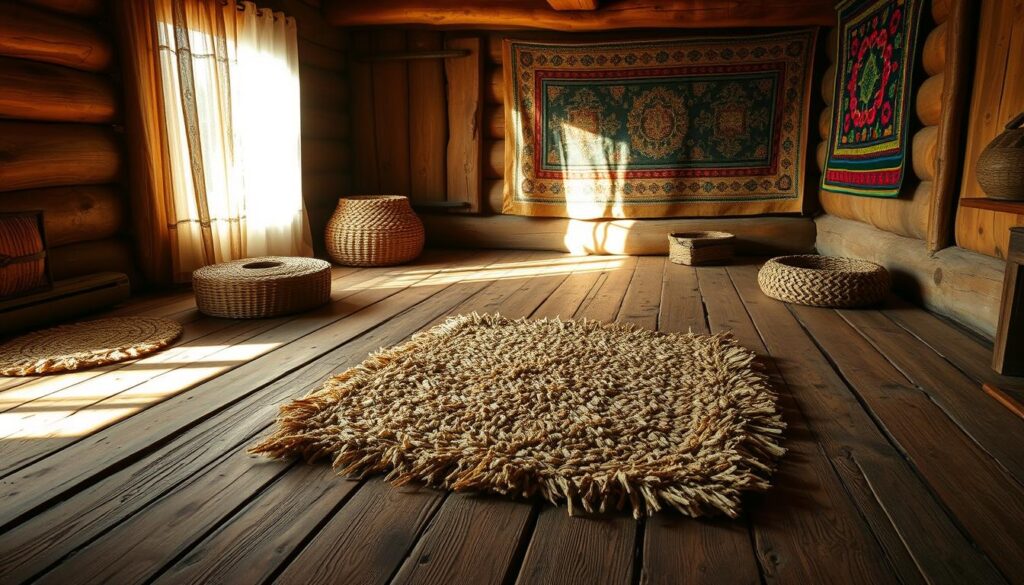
{"type": "Point", "coordinates": [824, 281]}
{"type": "Point", "coordinates": [86, 345]}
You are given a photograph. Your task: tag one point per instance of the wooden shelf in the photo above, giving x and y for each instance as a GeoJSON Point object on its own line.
{"type": "Point", "coordinates": [1016, 207]}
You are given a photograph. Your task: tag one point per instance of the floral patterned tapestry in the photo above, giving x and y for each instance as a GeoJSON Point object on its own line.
{"type": "Point", "coordinates": [867, 147]}
{"type": "Point", "coordinates": [700, 126]}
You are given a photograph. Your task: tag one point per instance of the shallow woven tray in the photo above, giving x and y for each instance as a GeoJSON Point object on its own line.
{"type": "Point", "coordinates": [86, 345]}
{"type": "Point", "coordinates": [824, 281]}
{"type": "Point", "coordinates": [693, 248]}
{"type": "Point", "coordinates": [268, 286]}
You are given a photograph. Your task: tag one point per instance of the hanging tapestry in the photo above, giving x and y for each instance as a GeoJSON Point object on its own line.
{"type": "Point", "coordinates": [867, 147]}
{"type": "Point", "coordinates": [693, 126]}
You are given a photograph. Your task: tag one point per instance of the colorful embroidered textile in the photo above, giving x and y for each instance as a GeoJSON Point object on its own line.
{"type": "Point", "coordinates": [653, 128]}
{"type": "Point", "coordinates": [867, 148]}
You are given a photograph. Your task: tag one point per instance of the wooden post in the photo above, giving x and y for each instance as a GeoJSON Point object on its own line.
{"type": "Point", "coordinates": [1008, 354]}
{"type": "Point", "coordinates": [465, 118]}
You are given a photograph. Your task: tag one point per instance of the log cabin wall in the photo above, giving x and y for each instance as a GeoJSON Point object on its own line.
{"type": "Point", "coordinates": [909, 215]}
{"type": "Point", "coordinates": [997, 96]}
{"type": "Point", "coordinates": [60, 149]}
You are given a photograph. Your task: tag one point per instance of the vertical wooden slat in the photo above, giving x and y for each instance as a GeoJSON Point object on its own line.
{"type": "Point", "coordinates": [428, 120]}
{"type": "Point", "coordinates": [465, 111]}
{"type": "Point", "coordinates": [364, 151]}
{"type": "Point", "coordinates": [391, 113]}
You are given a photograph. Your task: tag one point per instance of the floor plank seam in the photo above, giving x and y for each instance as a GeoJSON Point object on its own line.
{"type": "Point", "coordinates": [911, 464]}
{"type": "Point", "coordinates": [216, 526]}
{"type": "Point", "coordinates": [866, 519]}
{"type": "Point", "coordinates": [515, 565]}
{"type": "Point", "coordinates": [940, 404]}
{"type": "Point", "coordinates": [308, 538]}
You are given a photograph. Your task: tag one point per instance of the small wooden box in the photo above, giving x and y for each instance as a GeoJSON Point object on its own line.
{"type": "Point", "coordinates": [698, 248]}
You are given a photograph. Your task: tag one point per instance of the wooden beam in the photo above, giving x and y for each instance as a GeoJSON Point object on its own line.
{"type": "Point", "coordinates": [613, 14]}
{"type": "Point", "coordinates": [34, 155]}
{"type": "Point", "coordinates": [28, 33]}
{"type": "Point", "coordinates": [39, 91]}
{"type": "Point", "coordinates": [573, 4]}
{"type": "Point", "coordinates": [465, 120]}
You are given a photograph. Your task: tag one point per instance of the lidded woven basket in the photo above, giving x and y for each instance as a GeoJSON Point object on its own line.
{"type": "Point", "coordinates": [824, 281]}
{"type": "Point", "coordinates": [268, 286]}
{"type": "Point", "coordinates": [374, 230]}
{"type": "Point", "coordinates": [1001, 165]}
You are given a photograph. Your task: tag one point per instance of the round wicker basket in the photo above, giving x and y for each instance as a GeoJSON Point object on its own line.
{"type": "Point", "coordinates": [695, 248]}
{"type": "Point", "coordinates": [1000, 166]}
{"type": "Point", "coordinates": [267, 286]}
{"type": "Point", "coordinates": [823, 281]}
{"type": "Point", "coordinates": [374, 230]}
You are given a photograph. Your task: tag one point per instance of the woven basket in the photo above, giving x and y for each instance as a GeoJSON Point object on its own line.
{"type": "Point", "coordinates": [268, 286]}
{"type": "Point", "coordinates": [695, 248]}
{"type": "Point", "coordinates": [823, 281]}
{"type": "Point", "coordinates": [23, 267]}
{"type": "Point", "coordinates": [374, 230]}
{"type": "Point", "coordinates": [1001, 164]}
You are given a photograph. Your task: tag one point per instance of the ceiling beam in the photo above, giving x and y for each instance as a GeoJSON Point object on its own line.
{"type": "Point", "coordinates": [573, 4]}
{"type": "Point", "coordinates": [613, 14]}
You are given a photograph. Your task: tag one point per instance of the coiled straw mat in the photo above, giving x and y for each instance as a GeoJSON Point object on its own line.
{"type": "Point", "coordinates": [824, 281]}
{"type": "Point", "coordinates": [600, 416]}
{"type": "Point", "coordinates": [85, 345]}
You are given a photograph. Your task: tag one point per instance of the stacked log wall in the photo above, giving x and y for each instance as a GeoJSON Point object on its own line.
{"type": "Point", "coordinates": [60, 146]}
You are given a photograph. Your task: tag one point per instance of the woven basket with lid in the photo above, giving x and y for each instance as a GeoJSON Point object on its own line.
{"type": "Point", "coordinates": [824, 281]}
{"type": "Point", "coordinates": [374, 230]}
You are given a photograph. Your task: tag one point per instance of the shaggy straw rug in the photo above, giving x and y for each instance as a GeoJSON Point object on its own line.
{"type": "Point", "coordinates": [600, 416]}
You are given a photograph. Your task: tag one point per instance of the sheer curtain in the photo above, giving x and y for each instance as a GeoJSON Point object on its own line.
{"type": "Point", "coordinates": [218, 122]}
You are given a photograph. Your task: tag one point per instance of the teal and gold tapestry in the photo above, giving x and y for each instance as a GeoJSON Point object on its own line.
{"type": "Point", "coordinates": [699, 126]}
{"type": "Point", "coordinates": [868, 140]}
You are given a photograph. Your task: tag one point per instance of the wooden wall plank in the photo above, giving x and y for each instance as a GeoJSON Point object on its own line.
{"type": "Point", "coordinates": [364, 155]}
{"type": "Point", "coordinates": [87, 8]}
{"type": "Point", "coordinates": [36, 155]}
{"type": "Point", "coordinates": [929, 100]}
{"type": "Point", "coordinates": [391, 113]}
{"type": "Point", "coordinates": [428, 120]}
{"type": "Point", "coordinates": [29, 33]}
{"type": "Point", "coordinates": [995, 98]}
{"type": "Point", "coordinates": [73, 214]}
{"type": "Point", "coordinates": [465, 113]}
{"type": "Point", "coordinates": [39, 91]}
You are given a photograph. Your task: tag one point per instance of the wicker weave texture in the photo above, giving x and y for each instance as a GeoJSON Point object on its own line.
{"type": "Point", "coordinates": [374, 230]}
{"type": "Point", "coordinates": [267, 286]}
{"type": "Point", "coordinates": [823, 281]}
{"type": "Point", "coordinates": [696, 248]}
{"type": "Point", "coordinates": [22, 268]}
{"type": "Point", "coordinates": [1001, 165]}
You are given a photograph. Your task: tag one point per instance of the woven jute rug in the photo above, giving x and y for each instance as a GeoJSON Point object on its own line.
{"type": "Point", "coordinates": [599, 416]}
{"type": "Point", "coordinates": [85, 345]}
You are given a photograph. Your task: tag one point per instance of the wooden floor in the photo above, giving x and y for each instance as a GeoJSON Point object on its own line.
{"type": "Point", "coordinates": [900, 468]}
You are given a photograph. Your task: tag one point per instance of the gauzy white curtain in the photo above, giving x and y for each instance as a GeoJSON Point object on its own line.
{"type": "Point", "coordinates": [230, 87]}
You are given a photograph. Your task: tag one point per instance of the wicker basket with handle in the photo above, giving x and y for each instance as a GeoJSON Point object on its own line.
{"type": "Point", "coordinates": [1001, 164]}
{"type": "Point", "coordinates": [374, 230]}
{"type": "Point", "coordinates": [824, 281]}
